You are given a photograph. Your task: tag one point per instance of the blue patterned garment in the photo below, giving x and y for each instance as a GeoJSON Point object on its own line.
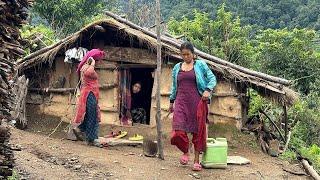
{"type": "Point", "coordinates": [90, 125]}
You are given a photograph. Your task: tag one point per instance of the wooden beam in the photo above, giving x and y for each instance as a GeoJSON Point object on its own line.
{"type": "Point", "coordinates": [108, 86]}
{"type": "Point", "coordinates": [65, 90]}
{"type": "Point", "coordinates": [108, 109]}
{"type": "Point", "coordinates": [51, 90]}
{"type": "Point", "coordinates": [124, 66]}
{"type": "Point", "coordinates": [133, 55]}
{"type": "Point", "coordinates": [153, 26]}
{"type": "Point", "coordinates": [106, 68]}
{"type": "Point", "coordinates": [215, 94]}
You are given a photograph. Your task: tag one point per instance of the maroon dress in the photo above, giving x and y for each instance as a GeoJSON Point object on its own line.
{"type": "Point", "coordinates": [186, 102]}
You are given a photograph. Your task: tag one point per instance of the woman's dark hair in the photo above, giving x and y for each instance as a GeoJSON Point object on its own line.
{"type": "Point", "coordinates": [187, 45]}
{"type": "Point", "coordinates": [138, 82]}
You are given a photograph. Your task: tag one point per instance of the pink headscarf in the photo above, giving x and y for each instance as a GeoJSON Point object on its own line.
{"type": "Point", "coordinates": [96, 54]}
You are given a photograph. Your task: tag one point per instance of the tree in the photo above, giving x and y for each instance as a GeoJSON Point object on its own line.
{"type": "Point", "coordinates": [291, 55]}
{"type": "Point", "coordinates": [67, 16]}
{"type": "Point", "coordinates": [141, 12]}
{"type": "Point", "coordinates": [261, 13]}
{"type": "Point", "coordinates": [223, 37]}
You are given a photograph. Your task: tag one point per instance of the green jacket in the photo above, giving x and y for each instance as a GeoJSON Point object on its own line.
{"type": "Point", "coordinates": [205, 79]}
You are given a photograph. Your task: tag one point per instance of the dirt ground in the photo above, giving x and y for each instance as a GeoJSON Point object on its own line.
{"type": "Point", "coordinates": [42, 157]}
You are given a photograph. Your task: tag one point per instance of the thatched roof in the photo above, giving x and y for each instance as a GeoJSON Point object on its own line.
{"type": "Point", "coordinates": [272, 87]}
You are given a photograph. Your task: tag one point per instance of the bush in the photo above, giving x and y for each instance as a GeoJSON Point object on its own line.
{"type": "Point", "coordinates": [313, 154]}
{"type": "Point", "coordinates": [37, 37]}
{"type": "Point", "coordinates": [289, 156]}
{"type": "Point", "coordinates": [304, 116]}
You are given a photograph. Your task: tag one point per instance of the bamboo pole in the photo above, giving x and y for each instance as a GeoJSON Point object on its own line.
{"type": "Point", "coordinates": [285, 121]}
{"type": "Point", "coordinates": [158, 115]}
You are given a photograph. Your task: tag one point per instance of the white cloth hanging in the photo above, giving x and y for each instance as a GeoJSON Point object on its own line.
{"type": "Point", "coordinates": [75, 55]}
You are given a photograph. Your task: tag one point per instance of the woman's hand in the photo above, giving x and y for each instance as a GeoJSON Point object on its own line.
{"type": "Point", "coordinates": [171, 108]}
{"type": "Point", "coordinates": [205, 95]}
{"type": "Point", "coordinates": [91, 61]}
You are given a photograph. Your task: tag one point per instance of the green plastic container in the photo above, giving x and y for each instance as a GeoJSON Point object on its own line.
{"type": "Point", "coordinates": [216, 153]}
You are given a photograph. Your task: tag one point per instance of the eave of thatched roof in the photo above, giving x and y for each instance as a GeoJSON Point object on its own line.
{"type": "Point", "coordinates": [272, 87]}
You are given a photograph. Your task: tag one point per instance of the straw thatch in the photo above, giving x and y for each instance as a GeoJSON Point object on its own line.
{"type": "Point", "coordinates": [272, 87]}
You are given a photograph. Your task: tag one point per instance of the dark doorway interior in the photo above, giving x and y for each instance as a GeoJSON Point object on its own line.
{"type": "Point", "coordinates": [144, 75]}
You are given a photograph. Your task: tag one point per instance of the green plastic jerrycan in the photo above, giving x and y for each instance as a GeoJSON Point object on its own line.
{"type": "Point", "coordinates": [216, 153]}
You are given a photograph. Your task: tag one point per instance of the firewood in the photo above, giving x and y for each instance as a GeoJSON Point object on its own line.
{"type": "Point", "coordinates": [12, 15]}
{"type": "Point", "coordinates": [310, 170]}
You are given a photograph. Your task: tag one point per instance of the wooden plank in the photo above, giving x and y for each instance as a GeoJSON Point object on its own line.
{"type": "Point", "coordinates": [63, 90]}
{"type": "Point", "coordinates": [108, 109]}
{"type": "Point", "coordinates": [124, 66]}
{"type": "Point", "coordinates": [133, 55]}
{"type": "Point", "coordinates": [119, 142]}
{"type": "Point", "coordinates": [215, 94]}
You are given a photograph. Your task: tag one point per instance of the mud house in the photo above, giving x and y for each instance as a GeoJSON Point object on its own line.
{"type": "Point", "coordinates": [131, 56]}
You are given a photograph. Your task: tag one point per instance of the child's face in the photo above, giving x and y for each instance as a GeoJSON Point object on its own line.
{"type": "Point", "coordinates": [136, 88]}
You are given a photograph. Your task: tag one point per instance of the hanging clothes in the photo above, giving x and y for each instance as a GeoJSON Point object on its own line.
{"type": "Point", "coordinates": [75, 55]}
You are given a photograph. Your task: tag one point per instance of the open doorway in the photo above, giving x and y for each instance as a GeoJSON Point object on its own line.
{"type": "Point", "coordinates": [140, 102]}
{"type": "Point", "coordinates": [144, 77]}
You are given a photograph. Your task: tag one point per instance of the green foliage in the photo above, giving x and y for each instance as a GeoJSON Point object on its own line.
{"type": "Point", "coordinates": [36, 37]}
{"type": "Point", "coordinates": [256, 102]}
{"type": "Point", "coordinates": [261, 13]}
{"type": "Point", "coordinates": [15, 175]}
{"type": "Point", "coordinates": [313, 154]}
{"type": "Point", "coordinates": [67, 16]}
{"type": "Point", "coordinates": [289, 156]}
{"type": "Point", "coordinates": [307, 130]}
{"type": "Point", "coordinates": [289, 54]}
{"type": "Point", "coordinates": [222, 36]}
{"type": "Point", "coordinates": [304, 118]}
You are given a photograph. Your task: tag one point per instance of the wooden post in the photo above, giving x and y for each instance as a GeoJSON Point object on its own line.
{"type": "Point", "coordinates": [285, 121]}
{"type": "Point", "coordinates": [158, 96]}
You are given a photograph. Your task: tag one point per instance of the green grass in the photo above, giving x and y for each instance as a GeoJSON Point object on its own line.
{"type": "Point", "coordinates": [15, 175]}
{"type": "Point", "coordinates": [288, 156]}
{"type": "Point", "coordinates": [313, 154]}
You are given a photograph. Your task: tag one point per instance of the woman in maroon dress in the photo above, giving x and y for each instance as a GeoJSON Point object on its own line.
{"type": "Point", "coordinates": [193, 83]}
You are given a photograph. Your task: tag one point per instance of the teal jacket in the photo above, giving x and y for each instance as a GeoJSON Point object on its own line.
{"type": "Point", "coordinates": [205, 79]}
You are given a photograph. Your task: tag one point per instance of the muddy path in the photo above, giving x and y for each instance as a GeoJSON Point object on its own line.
{"type": "Point", "coordinates": [51, 158]}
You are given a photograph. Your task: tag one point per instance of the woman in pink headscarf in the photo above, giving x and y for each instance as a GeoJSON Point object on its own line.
{"type": "Point", "coordinates": [86, 121]}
